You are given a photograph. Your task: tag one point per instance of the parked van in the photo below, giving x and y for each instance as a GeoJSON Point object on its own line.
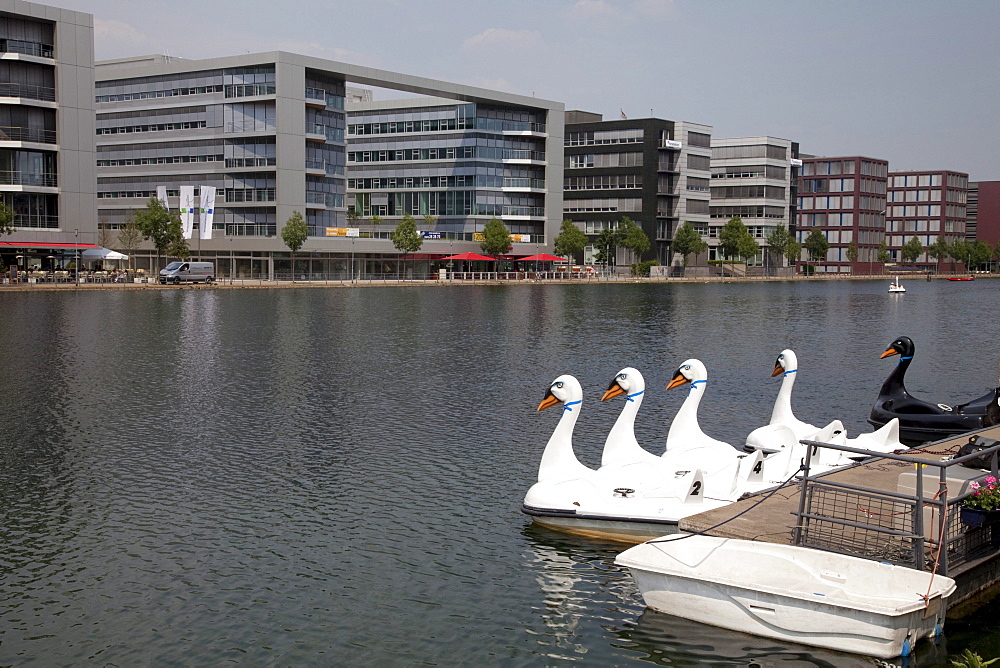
{"type": "Point", "coordinates": [175, 272]}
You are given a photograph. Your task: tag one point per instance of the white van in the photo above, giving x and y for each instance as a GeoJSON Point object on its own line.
{"type": "Point", "coordinates": [175, 272]}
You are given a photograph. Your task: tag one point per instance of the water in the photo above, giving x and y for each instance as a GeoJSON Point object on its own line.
{"type": "Point", "coordinates": [334, 476]}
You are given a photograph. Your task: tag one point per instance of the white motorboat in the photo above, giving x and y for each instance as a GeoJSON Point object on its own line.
{"type": "Point", "coordinates": [791, 593]}
{"type": "Point", "coordinates": [896, 286]}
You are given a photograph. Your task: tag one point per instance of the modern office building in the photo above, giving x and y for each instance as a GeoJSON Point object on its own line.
{"type": "Point", "coordinates": [982, 212]}
{"type": "Point", "coordinates": [270, 132]}
{"type": "Point", "coordinates": [845, 198]}
{"type": "Point", "coordinates": [46, 132]}
{"type": "Point", "coordinates": [755, 178]}
{"type": "Point", "coordinates": [653, 171]}
{"type": "Point", "coordinates": [451, 165]}
{"type": "Point", "coordinates": [927, 205]}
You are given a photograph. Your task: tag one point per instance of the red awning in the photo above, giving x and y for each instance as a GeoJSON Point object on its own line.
{"type": "Point", "coordinates": [468, 256]}
{"type": "Point", "coordinates": [44, 244]}
{"type": "Point", "coordinates": [542, 257]}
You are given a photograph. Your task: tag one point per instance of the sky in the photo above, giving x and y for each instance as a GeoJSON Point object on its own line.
{"type": "Point", "coordinates": [914, 82]}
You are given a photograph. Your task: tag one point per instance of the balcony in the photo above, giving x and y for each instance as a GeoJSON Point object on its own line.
{"type": "Point", "coordinates": [318, 200]}
{"type": "Point", "coordinates": [315, 97]}
{"type": "Point", "coordinates": [28, 92]}
{"type": "Point", "coordinates": [316, 167]}
{"type": "Point", "coordinates": [14, 178]}
{"type": "Point", "coordinates": [524, 129]}
{"type": "Point", "coordinates": [14, 133]}
{"type": "Point", "coordinates": [524, 212]}
{"type": "Point", "coordinates": [524, 156]}
{"type": "Point", "coordinates": [523, 185]}
{"type": "Point", "coordinates": [24, 48]}
{"type": "Point", "coordinates": [323, 133]}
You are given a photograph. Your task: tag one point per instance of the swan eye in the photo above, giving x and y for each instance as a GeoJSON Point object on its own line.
{"type": "Point", "coordinates": [622, 376]}
{"type": "Point", "coordinates": [686, 367]}
{"type": "Point", "coordinates": [559, 384]}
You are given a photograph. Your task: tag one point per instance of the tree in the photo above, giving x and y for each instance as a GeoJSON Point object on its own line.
{"type": "Point", "coordinates": [979, 253]}
{"type": "Point", "coordinates": [633, 239]}
{"type": "Point", "coordinates": [353, 217]}
{"type": "Point", "coordinates": [178, 246]}
{"type": "Point", "coordinates": [747, 247]}
{"type": "Point", "coordinates": [911, 250]}
{"type": "Point", "coordinates": [156, 223]}
{"type": "Point", "coordinates": [496, 239]}
{"type": "Point", "coordinates": [938, 250]}
{"type": "Point", "coordinates": [884, 255]}
{"type": "Point", "coordinates": [687, 241]}
{"type": "Point", "coordinates": [571, 240]}
{"type": "Point", "coordinates": [294, 234]}
{"type": "Point", "coordinates": [376, 221]}
{"type": "Point", "coordinates": [733, 240]}
{"type": "Point", "coordinates": [129, 237]}
{"type": "Point", "coordinates": [852, 252]}
{"type": "Point", "coordinates": [429, 220]}
{"type": "Point", "coordinates": [816, 245]}
{"type": "Point", "coordinates": [6, 219]}
{"type": "Point", "coordinates": [959, 250]}
{"type": "Point", "coordinates": [606, 247]}
{"type": "Point", "coordinates": [793, 251]}
{"type": "Point", "coordinates": [777, 241]}
{"type": "Point", "coordinates": [405, 237]}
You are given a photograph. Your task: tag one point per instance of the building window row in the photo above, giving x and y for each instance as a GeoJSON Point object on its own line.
{"type": "Point", "coordinates": [587, 160]}
{"type": "Point", "coordinates": [152, 127]}
{"type": "Point", "coordinates": [164, 160]}
{"type": "Point", "coordinates": [910, 211]}
{"type": "Point", "coordinates": [915, 195]}
{"type": "Point", "coordinates": [607, 182]}
{"type": "Point", "coordinates": [598, 226]}
{"type": "Point", "coordinates": [826, 185]}
{"type": "Point", "coordinates": [596, 137]}
{"type": "Point", "coordinates": [449, 153]}
{"type": "Point", "coordinates": [697, 184]}
{"type": "Point", "coordinates": [754, 151]}
{"type": "Point", "coordinates": [747, 211]}
{"type": "Point", "coordinates": [154, 94]}
{"type": "Point", "coordinates": [824, 202]}
{"type": "Point", "coordinates": [699, 139]}
{"type": "Point", "coordinates": [914, 180]}
{"type": "Point", "coordinates": [746, 192]}
{"type": "Point", "coordinates": [605, 204]}
{"type": "Point", "coordinates": [249, 90]}
{"type": "Point", "coordinates": [749, 172]}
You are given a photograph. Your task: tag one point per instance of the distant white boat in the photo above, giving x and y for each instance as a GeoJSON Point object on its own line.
{"type": "Point", "coordinates": [791, 593]}
{"type": "Point", "coordinates": [896, 286]}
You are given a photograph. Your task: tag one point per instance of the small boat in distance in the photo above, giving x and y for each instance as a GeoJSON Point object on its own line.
{"type": "Point", "coordinates": [961, 278]}
{"type": "Point", "coordinates": [896, 286]}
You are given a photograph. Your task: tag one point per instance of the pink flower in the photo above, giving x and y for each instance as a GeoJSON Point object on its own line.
{"type": "Point", "coordinates": [990, 480]}
{"type": "Point", "coordinates": [973, 485]}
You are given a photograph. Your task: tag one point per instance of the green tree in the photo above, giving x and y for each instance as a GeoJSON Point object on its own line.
{"type": "Point", "coordinates": [633, 239]}
{"type": "Point", "coordinates": [793, 251]}
{"type": "Point", "coordinates": [353, 217]}
{"type": "Point", "coordinates": [959, 250]}
{"type": "Point", "coordinates": [733, 240]}
{"type": "Point", "coordinates": [979, 253]}
{"type": "Point", "coordinates": [294, 234]}
{"type": "Point", "coordinates": [571, 240]}
{"type": "Point", "coordinates": [429, 220]}
{"type": "Point", "coordinates": [157, 224]}
{"type": "Point", "coordinates": [911, 250]}
{"type": "Point", "coordinates": [816, 245]}
{"type": "Point", "coordinates": [687, 241]}
{"type": "Point", "coordinates": [606, 247]}
{"type": "Point", "coordinates": [178, 246]}
{"type": "Point", "coordinates": [405, 237]}
{"type": "Point", "coordinates": [747, 248]}
{"type": "Point", "coordinates": [938, 250]}
{"type": "Point", "coordinates": [496, 239]}
{"type": "Point", "coordinates": [6, 219]}
{"type": "Point", "coordinates": [777, 242]}
{"type": "Point", "coordinates": [852, 252]}
{"type": "Point", "coordinates": [129, 237]}
{"type": "Point", "coordinates": [884, 255]}
{"type": "Point", "coordinates": [376, 221]}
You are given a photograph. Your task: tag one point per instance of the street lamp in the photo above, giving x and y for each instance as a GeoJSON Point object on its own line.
{"type": "Point", "coordinates": [76, 254]}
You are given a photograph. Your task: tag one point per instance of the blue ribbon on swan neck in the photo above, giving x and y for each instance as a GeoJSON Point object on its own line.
{"type": "Point", "coordinates": [695, 383]}
{"type": "Point", "coordinates": [568, 404]}
{"type": "Point", "coordinates": [634, 394]}
{"type": "Point", "coordinates": [792, 371]}
{"type": "Point", "coordinates": [906, 358]}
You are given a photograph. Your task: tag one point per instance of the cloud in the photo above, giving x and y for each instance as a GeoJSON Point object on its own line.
{"type": "Point", "coordinates": [502, 38]}
{"type": "Point", "coordinates": [590, 9]}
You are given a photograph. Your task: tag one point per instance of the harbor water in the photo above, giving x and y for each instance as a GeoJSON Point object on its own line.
{"type": "Point", "coordinates": [334, 476]}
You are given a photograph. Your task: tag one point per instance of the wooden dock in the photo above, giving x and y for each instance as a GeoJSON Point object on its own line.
{"type": "Point", "coordinates": [773, 520]}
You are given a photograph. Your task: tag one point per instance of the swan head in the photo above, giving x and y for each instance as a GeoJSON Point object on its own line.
{"type": "Point", "coordinates": [563, 390]}
{"type": "Point", "coordinates": [628, 381]}
{"type": "Point", "coordinates": [786, 362]}
{"type": "Point", "coordinates": [902, 346]}
{"type": "Point", "coordinates": [690, 371]}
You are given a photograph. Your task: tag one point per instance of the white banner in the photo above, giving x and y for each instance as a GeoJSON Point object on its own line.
{"type": "Point", "coordinates": [161, 195]}
{"type": "Point", "coordinates": [187, 211]}
{"type": "Point", "coordinates": [207, 211]}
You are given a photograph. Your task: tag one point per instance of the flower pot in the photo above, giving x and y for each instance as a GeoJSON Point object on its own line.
{"type": "Point", "coordinates": [975, 517]}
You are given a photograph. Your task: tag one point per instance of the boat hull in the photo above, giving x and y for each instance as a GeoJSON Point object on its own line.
{"type": "Point", "coordinates": [620, 530]}
{"type": "Point", "coordinates": [792, 594]}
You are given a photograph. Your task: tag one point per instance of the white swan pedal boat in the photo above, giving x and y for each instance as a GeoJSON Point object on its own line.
{"type": "Point", "coordinates": [791, 593]}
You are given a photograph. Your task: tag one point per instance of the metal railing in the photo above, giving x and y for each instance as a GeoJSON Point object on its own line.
{"type": "Point", "coordinates": [524, 183]}
{"type": "Point", "coordinates": [914, 530]}
{"type": "Point", "coordinates": [16, 178]}
{"type": "Point", "coordinates": [15, 133]}
{"type": "Point", "coordinates": [27, 48]}
{"type": "Point", "coordinates": [29, 91]}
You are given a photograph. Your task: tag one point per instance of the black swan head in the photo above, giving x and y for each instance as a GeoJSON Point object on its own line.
{"type": "Point", "coordinates": [903, 346]}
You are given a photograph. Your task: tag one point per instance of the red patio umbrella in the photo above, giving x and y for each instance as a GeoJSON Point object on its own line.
{"type": "Point", "coordinates": [468, 256]}
{"type": "Point", "coordinates": [542, 257]}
